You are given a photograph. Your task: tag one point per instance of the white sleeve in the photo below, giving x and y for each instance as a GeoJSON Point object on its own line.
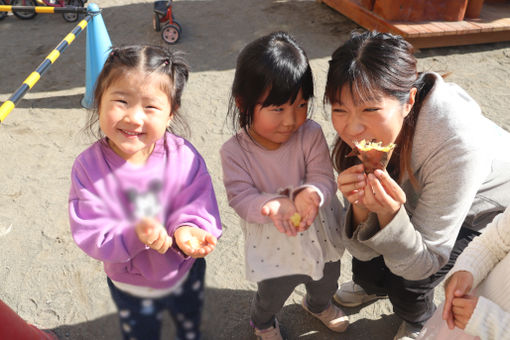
{"type": "Point", "coordinates": [489, 321]}
{"type": "Point", "coordinates": [486, 250]}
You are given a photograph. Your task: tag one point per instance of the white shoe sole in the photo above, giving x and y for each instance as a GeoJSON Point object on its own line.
{"type": "Point", "coordinates": [356, 304]}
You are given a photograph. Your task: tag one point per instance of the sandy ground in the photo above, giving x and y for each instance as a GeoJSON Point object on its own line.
{"type": "Point", "coordinates": [46, 278]}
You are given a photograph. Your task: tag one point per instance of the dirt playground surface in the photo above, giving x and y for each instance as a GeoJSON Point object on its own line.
{"type": "Point", "coordinates": [52, 283]}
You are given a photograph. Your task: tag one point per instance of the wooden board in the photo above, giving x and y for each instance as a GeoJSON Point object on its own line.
{"type": "Point", "coordinates": [493, 25]}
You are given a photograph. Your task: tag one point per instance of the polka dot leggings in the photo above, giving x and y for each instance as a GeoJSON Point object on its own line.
{"type": "Point", "coordinates": [140, 318]}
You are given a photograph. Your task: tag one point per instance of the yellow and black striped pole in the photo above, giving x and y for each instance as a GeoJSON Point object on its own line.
{"type": "Point", "coordinates": [43, 9]}
{"type": "Point", "coordinates": [29, 82]}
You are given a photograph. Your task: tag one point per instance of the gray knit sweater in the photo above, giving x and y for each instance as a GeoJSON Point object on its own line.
{"type": "Point", "coordinates": [463, 169]}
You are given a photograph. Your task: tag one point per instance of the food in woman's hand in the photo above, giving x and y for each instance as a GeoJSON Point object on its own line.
{"type": "Point", "coordinates": [295, 219]}
{"type": "Point", "coordinates": [372, 153]}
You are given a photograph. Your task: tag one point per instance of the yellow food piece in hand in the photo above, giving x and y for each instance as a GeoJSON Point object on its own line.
{"type": "Point", "coordinates": [296, 219]}
{"type": "Point", "coordinates": [366, 145]}
{"type": "Point", "coordinates": [194, 243]}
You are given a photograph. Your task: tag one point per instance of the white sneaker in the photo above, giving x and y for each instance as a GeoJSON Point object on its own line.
{"type": "Point", "coordinates": [407, 331]}
{"type": "Point", "coordinates": [351, 294]}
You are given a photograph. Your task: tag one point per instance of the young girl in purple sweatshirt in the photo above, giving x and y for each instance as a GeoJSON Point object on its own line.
{"type": "Point", "coordinates": [141, 199]}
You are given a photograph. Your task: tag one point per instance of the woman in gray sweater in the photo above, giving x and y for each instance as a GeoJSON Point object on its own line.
{"type": "Point", "coordinates": [447, 177]}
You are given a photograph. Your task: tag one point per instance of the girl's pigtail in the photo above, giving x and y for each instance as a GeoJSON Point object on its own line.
{"type": "Point", "coordinates": [178, 70]}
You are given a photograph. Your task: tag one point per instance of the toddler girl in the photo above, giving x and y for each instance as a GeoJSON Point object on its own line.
{"type": "Point", "coordinates": [278, 165]}
{"type": "Point", "coordinates": [141, 198]}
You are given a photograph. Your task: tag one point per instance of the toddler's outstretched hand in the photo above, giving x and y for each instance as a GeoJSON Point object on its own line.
{"type": "Point", "coordinates": [194, 242]}
{"type": "Point", "coordinates": [457, 285]}
{"type": "Point", "coordinates": [280, 210]}
{"type": "Point", "coordinates": [153, 234]}
{"type": "Point", "coordinates": [307, 204]}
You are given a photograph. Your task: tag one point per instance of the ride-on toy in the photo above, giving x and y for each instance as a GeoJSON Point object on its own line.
{"type": "Point", "coordinates": [2, 14]}
{"type": "Point", "coordinates": [25, 15]}
{"type": "Point", "coordinates": [163, 20]}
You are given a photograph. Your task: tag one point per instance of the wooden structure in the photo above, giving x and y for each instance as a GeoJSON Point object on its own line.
{"type": "Point", "coordinates": [493, 25]}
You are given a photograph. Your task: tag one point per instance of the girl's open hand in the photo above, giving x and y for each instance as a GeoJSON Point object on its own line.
{"type": "Point", "coordinates": [280, 211]}
{"type": "Point", "coordinates": [194, 242]}
{"type": "Point", "coordinates": [457, 285]}
{"type": "Point", "coordinates": [153, 234]}
{"type": "Point", "coordinates": [307, 204]}
{"type": "Point", "coordinates": [383, 196]}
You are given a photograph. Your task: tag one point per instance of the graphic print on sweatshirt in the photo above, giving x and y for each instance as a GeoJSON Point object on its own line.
{"type": "Point", "coordinates": [146, 204]}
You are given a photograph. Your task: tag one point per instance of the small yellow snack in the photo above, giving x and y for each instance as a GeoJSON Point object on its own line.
{"type": "Point", "coordinates": [365, 145]}
{"type": "Point", "coordinates": [373, 154]}
{"type": "Point", "coordinates": [296, 219]}
{"type": "Point", "coordinates": [194, 243]}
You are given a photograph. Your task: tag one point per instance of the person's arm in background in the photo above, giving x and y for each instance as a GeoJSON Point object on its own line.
{"type": "Point", "coordinates": [479, 316]}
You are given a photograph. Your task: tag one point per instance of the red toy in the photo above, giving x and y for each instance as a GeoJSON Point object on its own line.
{"type": "Point", "coordinates": [163, 20]}
{"type": "Point", "coordinates": [14, 327]}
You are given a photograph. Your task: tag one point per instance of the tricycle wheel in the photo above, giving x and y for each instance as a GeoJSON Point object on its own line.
{"type": "Point", "coordinates": [156, 24]}
{"type": "Point", "coordinates": [170, 34]}
{"type": "Point", "coordinates": [72, 17]}
{"type": "Point", "coordinates": [24, 15]}
{"type": "Point", "coordinates": [178, 25]}
{"type": "Point", "coordinates": [2, 14]}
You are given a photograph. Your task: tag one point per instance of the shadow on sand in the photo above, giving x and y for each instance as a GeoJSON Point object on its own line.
{"type": "Point", "coordinates": [226, 316]}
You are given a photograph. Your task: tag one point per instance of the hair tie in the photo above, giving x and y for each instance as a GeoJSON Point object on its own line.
{"type": "Point", "coordinates": [166, 61]}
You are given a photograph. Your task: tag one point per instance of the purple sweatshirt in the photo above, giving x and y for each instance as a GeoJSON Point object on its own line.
{"type": "Point", "coordinates": [109, 195]}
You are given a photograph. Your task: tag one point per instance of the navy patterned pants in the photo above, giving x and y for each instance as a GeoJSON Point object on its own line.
{"type": "Point", "coordinates": [140, 318]}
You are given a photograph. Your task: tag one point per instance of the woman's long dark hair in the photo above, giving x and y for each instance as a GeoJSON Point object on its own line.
{"type": "Point", "coordinates": [371, 64]}
{"type": "Point", "coordinates": [274, 65]}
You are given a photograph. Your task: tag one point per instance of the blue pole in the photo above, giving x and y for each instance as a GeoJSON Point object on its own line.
{"type": "Point", "coordinates": [97, 49]}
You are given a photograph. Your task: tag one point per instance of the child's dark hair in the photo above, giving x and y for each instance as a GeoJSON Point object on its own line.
{"type": "Point", "coordinates": [150, 59]}
{"type": "Point", "coordinates": [372, 64]}
{"type": "Point", "coordinates": [273, 65]}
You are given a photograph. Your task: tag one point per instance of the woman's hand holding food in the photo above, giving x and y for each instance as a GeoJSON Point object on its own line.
{"type": "Point", "coordinates": [351, 183]}
{"type": "Point", "coordinates": [383, 196]}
